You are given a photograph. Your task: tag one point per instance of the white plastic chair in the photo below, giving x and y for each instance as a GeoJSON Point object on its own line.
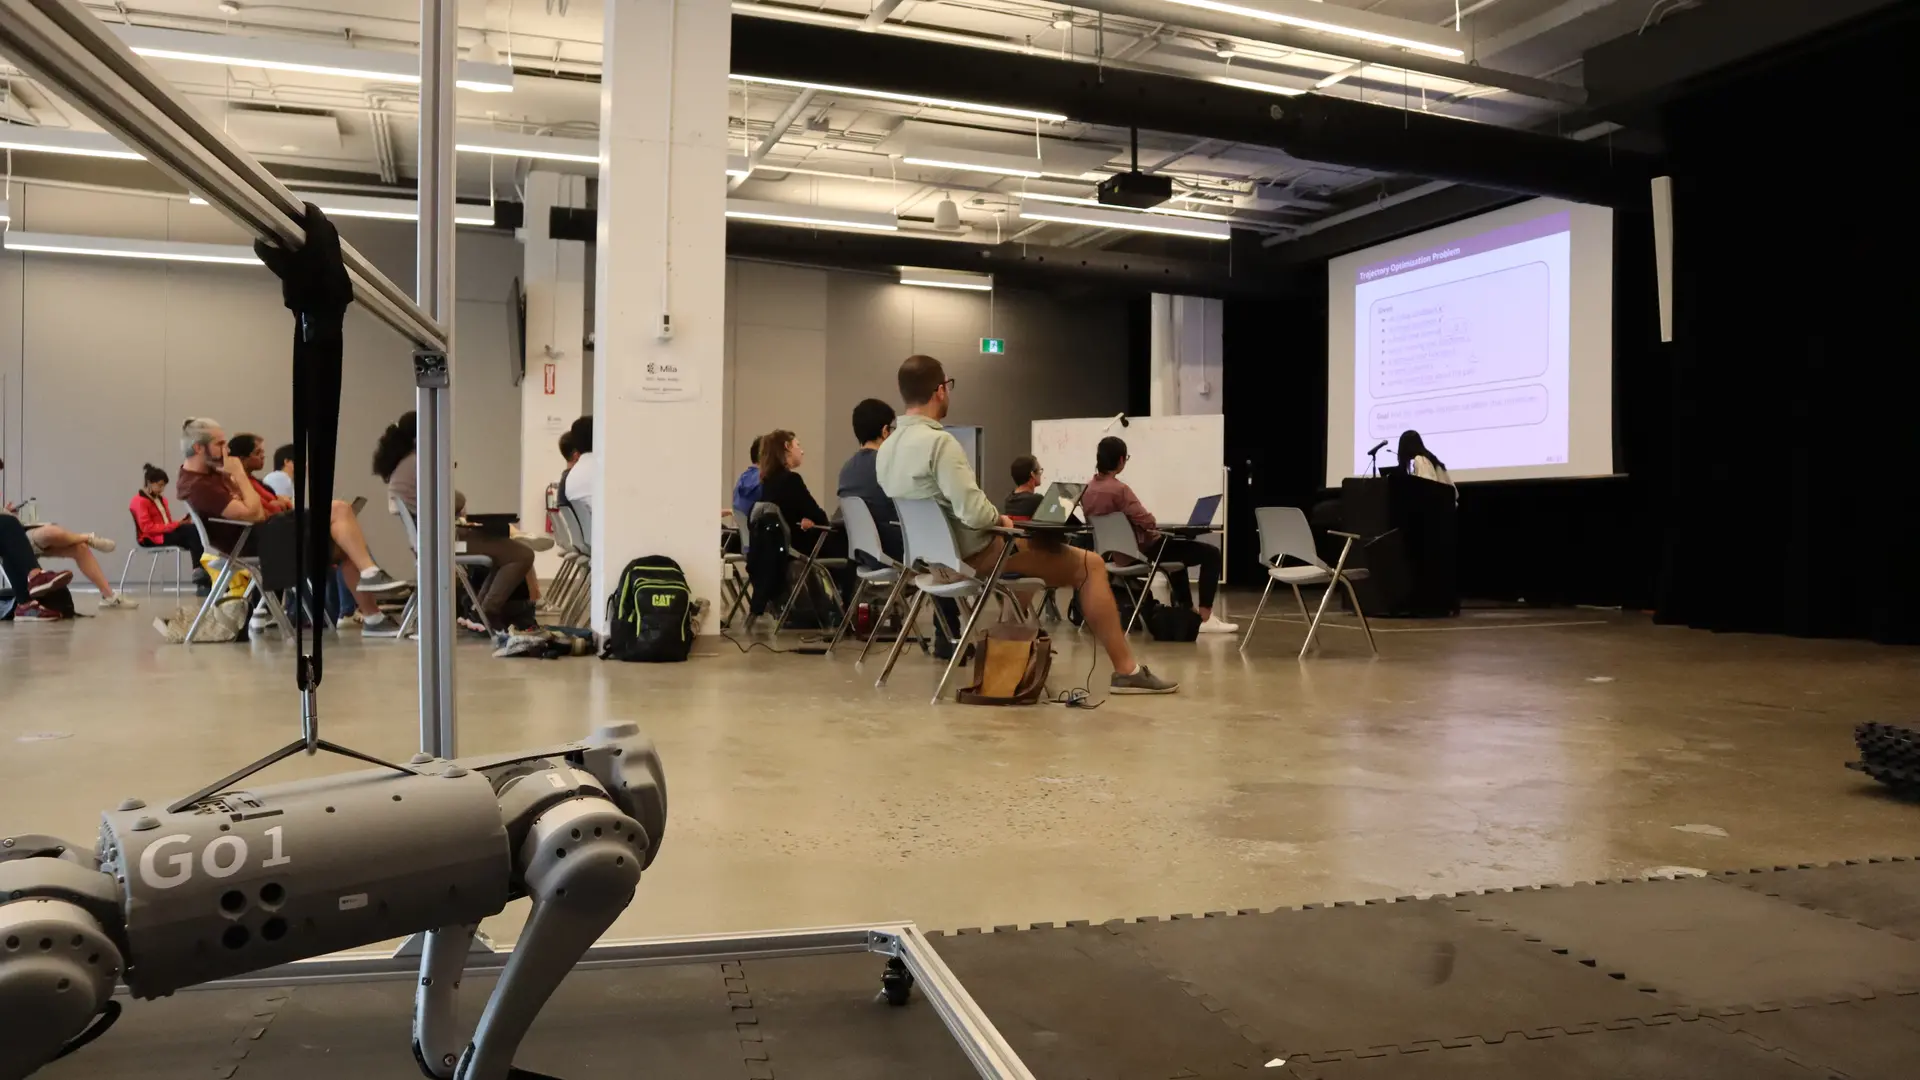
{"type": "Point", "coordinates": [411, 614]}
{"type": "Point", "coordinates": [155, 552]}
{"type": "Point", "coordinates": [229, 563]}
{"type": "Point", "coordinates": [1113, 535]}
{"type": "Point", "coordinates": [930, 543]}
{"type": "Point", "coordinates": [863, 538]}
{"type": "Point", "coordinates": [1284, 533]}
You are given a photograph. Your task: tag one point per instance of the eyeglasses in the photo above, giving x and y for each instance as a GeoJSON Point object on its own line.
{"type": "Point", "coordinates": [950, 383]}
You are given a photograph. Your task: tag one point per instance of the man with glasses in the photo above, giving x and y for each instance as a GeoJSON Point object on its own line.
{"type": "Point", "coordinates": [923, 461]}
{"type": "Point", "coordinates": [1027, 478]}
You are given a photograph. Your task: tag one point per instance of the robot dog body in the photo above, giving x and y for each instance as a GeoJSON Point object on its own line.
{"type": "Point", "coordinates": [251, 879]}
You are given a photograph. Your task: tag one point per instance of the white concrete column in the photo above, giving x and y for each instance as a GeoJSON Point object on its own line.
{"type": "Point", "coordinates": [1186, 376]}
{"type": "Point", "coordinates": [660, 290]}
{"type": "Point", "coordinates": [555, 278]}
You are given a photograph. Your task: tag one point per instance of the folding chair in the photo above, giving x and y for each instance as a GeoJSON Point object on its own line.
{"type": "Point", "coordinates": [813, 564]}
{"type": "Point", "coordinates": [229, 563]}
{"type": "Point", "coordinates": [863, 538]}
{"type": "Point", "coordinates": [157, 552]}
{"type": "Point", "coordinates": [929, 538]}
{"type": "Point", "coordinates": [1113, 535]}
{"type": "Point", "coordinates": [736, 586]}
{"type": "Point", "coordinates": [1284, 533]}
{"type": "Point", "coordinates": [461, 560]}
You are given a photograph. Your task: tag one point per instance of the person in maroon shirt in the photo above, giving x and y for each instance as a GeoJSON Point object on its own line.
{"type": "Point", "coordinates": [216, 485]}
{"type": "Point", "coordinates": [1107, 494]}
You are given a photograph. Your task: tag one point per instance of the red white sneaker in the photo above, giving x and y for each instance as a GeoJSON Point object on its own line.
{"type": "Point", "coordinates": [42, 582]}
{"type": "Point", "coordinates": [32, 612]}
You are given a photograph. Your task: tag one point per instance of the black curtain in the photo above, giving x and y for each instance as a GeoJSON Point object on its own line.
{"type": "Point", "coordinates": [1793, 498]}
{"type": "Point", "coordinates": [1768, 455]}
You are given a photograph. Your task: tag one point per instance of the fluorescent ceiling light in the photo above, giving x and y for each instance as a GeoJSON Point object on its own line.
{"type": "Point", "coordinates": [312, 58]}
{"type": "Point", "coordinates": [373, 206]}
{"type": "Point", "coordinates": [1108, 218]}
{"type": "Point", "coordinates": [1269, 14]}
{"type": "Point", "coordinates": [976, 161]}
{"type": "Point", "coordinates": [911, 99]}
{"type": "Point", "coordinates": [56, 141]}
{"type": "Point", "coordinates": [167, 250]}
{"type": "Point", "coordinates": [780, 213]}
{"type": "Point", "coordinates": [1168, 211]}
{"type": "Point", "coordinates": [739, 165]}
{"type": "Point", "coordinates": [945, 279]}
{"type": "Point", "coordinates": [1264, 88]}
{"type": "Point", "coordinates": [513, 144]}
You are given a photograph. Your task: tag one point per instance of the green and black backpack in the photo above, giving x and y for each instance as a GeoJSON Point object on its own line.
{"type": "Point", "coordinates": [650, 615]}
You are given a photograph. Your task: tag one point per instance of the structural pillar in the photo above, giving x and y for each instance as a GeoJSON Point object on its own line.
{"type": "Point", "coordinates": [1186, 355]}
{"type": "Point", "coordinates": [660, 289]}
{"type": "Point", "coordinates": [555, 278]}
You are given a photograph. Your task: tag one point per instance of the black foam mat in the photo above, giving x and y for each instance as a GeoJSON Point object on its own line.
{"type": "Point", "coordinates": [189, 1036]}
{"type": "Point", "coordinates": [818, 1019]}
{"type": "Point", "coordinates": [1679, 1051]}
{"type": "Point", "coordinates": [1080, 1003]}
{"type": "Point", "coordinates": [1703, 943]}
{"type": "Point", "coordinates": [1883, 895]}
{"type": "Point", "coordinates": [1864, 1040]}
{"type": "Point", "coordinates": [1348, 978]}
{"type": "Point", "coordinates": [600, 1025]}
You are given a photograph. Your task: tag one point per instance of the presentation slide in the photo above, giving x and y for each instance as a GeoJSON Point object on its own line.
{"type": "Point", "coordinates": [1490, 337]}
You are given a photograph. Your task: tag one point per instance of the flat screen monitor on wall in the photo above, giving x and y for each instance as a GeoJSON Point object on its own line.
{"type": "Point", "coordinates": [1492, 337]}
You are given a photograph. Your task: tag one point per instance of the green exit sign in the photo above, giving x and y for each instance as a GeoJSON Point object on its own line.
{"type": "Point", "coordinates": [992, 346]}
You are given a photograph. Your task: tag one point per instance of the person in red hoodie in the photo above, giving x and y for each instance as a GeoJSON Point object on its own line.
{"type": "Point", "coordinates": [156, 524]}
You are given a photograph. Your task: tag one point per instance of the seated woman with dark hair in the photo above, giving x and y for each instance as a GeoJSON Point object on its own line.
{"type": "Point", "coordinates": [153, 517]}
{"type": "Point", "coordinates": [1108, 494]}
{"type": "Point", "coordinates": [781, 484]}
{"type": "Point", "coordinates": [394, 461]}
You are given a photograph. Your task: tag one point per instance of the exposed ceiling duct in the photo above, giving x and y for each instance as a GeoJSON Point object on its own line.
{"type": "Point", "coordinates": [1314, 127]}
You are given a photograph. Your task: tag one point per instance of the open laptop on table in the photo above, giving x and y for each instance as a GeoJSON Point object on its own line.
{"type": "Point", "coordinates": [1201, 519]}
{"type": "Point", "coordinates": [1057, 506]}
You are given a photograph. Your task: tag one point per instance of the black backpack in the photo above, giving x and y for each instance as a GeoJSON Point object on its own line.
{"type": "Point", "coordinates": [650, 614]}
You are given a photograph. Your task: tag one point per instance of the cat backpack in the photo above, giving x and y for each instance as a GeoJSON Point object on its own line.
{"type": "Point", "coordinates": [650, 614]}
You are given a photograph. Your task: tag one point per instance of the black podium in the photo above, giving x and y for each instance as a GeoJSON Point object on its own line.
{"type": "Point", "coordinates": [1413, 568]}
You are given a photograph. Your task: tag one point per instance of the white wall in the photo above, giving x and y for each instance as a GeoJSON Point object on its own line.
{"type": "Point", "coordinates": [805, 345]}
{"type": "Point", "coordinates": [102, 359]}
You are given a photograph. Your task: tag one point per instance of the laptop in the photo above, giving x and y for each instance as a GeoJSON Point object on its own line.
{"type": "Point", "coordinates": [1203, 510]}
{"type": "Point", "coordinates": [1058, 504]}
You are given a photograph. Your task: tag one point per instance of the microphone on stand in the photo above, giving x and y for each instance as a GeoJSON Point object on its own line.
{"type": "Point", "coordinates": [1373, 455]}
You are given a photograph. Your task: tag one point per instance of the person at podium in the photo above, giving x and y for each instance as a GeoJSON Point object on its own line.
{"type": "Point", "coordinates": [1419, 461]}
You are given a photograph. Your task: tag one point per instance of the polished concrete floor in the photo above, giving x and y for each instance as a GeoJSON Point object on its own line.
{"type": "Point", "coordinates": [1502, 748]}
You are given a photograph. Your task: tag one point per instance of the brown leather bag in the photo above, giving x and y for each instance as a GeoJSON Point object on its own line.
{"type": "Point", "coordinates": [1010, 667]}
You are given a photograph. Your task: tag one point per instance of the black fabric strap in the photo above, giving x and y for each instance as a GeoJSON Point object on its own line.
{"type": "Point", "coordinates": [315, 287]}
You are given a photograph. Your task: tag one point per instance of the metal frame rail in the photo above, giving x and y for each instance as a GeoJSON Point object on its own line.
{"type": "Point", "coordinates": [972, 1031]}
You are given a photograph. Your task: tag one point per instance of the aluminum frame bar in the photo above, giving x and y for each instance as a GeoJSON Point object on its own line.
{"type": "Point", "coordinates": [63, 46]}
{"type": "Point", "coordinates": [992, 1057]}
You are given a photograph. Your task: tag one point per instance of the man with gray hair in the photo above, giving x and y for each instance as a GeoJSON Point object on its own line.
{"type": "Point", "coordinates": [216, 485]}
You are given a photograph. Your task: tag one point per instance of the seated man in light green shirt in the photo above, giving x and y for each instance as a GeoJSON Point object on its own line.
{"type": "Point", "coordinates": [923, 461]}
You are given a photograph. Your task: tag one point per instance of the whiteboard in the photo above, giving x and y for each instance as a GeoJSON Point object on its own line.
{"type": "Point", "coordinates": [1175, 459]}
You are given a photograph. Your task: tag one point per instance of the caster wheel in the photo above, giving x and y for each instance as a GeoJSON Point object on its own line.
{"type": "Point", "coordinates": [896, 983]}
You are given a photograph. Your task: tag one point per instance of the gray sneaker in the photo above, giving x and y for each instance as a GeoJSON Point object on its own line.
{"type": "Point", "coordinates": [522, 643]}
{"type": "Point", "coordinates": [379, 581]}
{"type": "Point", "coordinates": [1141, 682]}
{"type": "Point", "coordinates": [381, 625]}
